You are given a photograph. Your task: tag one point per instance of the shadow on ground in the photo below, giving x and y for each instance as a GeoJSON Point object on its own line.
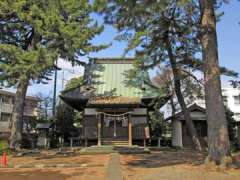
{"type": "Point", "coordinates": [165, 158]}
{"type": "Point", "coordinates": [53, 156]}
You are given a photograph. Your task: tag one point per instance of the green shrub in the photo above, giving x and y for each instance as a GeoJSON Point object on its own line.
{"type": "Point", "coordinates": [4, 147]}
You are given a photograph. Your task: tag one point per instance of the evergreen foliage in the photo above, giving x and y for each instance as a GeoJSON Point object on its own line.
{"type": "Point", "coordinates": [44, 106]}
{"type": "Point", "coordinates": [231, 124]}
{"type": "Point", "coordinates": [64, 119]}
{"type": "Point", "coordinates": [73, 83]}
{"type": "Point", "coordinates": [34, 33]}
{"type": "Point", "coordinates": [162, 33]}
{"type": "Point", "coordinates": [68, 119]}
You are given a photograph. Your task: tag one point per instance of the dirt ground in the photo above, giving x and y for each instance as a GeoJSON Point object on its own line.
{"type": "Point", "coordinates": [89, 173]}
{"type": "Point", "coordinates": [96, 166]}
{"type": "Point", "coordinates": [91, 160]}
{"type": "Point", "coordinates": [173, 165]}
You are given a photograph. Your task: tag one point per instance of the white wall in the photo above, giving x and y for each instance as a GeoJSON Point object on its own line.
{"type": "Point", "coordinates": [177, 133]}
{"type": "Point", "coordinates": [230, 93]}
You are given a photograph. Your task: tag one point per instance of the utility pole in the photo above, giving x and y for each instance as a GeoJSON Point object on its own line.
{"type": "Point", "coordinates": [1, 102]}
{"type": "Point", "coordinates": [54, 91]}
{"type": "Point", "coordinates": [63, 79]}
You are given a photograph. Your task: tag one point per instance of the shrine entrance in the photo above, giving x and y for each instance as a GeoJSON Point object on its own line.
{"type": "Point", "coordinates": [114, 127]}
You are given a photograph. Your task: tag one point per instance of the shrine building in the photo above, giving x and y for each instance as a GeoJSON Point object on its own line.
{"type": "Point", "coordinates": [114, 113]}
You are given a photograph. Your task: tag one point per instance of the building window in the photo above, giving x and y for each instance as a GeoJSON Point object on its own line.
{"type": "Point", "coordinates": [236, 100]}
{"type": "Point", "coordinates": [237, 116]}
{"type": "Point", "coordinates": [225, 100]}
{"type": "Point", "coordinates": [6, 99]}
{"type": "Point", "coordinates": [4, 117]}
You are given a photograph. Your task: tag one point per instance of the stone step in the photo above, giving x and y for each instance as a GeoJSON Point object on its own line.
{"type": "Point", "coordinates": [115, 143]}
{"type": "Point", "coordinates": [106, 143]}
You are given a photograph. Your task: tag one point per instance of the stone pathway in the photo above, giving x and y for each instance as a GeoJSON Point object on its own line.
{"type": "Point", "coordinates": [114, 168]}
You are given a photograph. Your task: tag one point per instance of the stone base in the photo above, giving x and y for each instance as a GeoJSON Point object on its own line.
{"type": "Point", "coordinates": [114, 149]}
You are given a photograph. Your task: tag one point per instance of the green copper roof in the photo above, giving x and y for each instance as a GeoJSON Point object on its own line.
{"type": "Point", "coordinates": [111, 77]}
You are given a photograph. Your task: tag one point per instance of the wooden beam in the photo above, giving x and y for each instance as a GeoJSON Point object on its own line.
{"type": "Point", "coordinates": [129, 130]}
{"type": "Point", "coordinates": [99, 130]}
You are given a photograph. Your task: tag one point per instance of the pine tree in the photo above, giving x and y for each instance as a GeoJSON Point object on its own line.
{"type": "Point", "coordinates": [34, 33]}
{"type": "Point", "coordinates": [218, 138]}
{"type": "Point", "coordinates": [163, 32]}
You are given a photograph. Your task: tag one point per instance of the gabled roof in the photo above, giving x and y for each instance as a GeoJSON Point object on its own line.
{"type": "Point", "coordinates": [107, 87]}
{"type": "Point", "coordinates": [191, 108]}
{"type": "Point", "coordinates": [110, 75]}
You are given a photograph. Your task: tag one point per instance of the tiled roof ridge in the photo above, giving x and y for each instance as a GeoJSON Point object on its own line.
{"type": "Point", "coordinates": [114, 60]}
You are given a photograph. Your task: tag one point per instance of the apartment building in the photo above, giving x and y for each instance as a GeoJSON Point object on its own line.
{"type": "Point", "coordinates": [6, 107]}
{"type": "Point", "coordinates": [231, 98]}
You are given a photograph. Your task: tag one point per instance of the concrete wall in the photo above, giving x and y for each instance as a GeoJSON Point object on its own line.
{"type": "Point", "coordinates": [177, 133]}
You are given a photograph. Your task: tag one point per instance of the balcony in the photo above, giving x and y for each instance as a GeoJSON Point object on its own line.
{"type": "Point", "coordinates": [7, 108]}
{"type": "Point", "coordinates": [28, 111]}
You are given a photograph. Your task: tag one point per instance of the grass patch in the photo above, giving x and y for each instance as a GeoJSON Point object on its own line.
{"type": "Point", "coordinates": [4, 147]}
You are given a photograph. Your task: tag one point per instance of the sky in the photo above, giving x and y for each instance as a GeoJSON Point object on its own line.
{"type": "Point", "coordinates": [228, 31]}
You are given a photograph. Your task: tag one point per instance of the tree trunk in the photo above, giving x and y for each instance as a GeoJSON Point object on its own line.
{"type": "Point", "coordinates": [177, 83]}
{"type": "Point", "coordinates": [218, 139]}
{"type": "Point", "coordinates": [16, 123]}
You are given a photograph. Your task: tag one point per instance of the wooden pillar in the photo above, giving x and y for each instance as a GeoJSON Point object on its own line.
{"type": "Point", "coordinates": [144, 142]}
{"type": "Point", "coordinates": [129, 130]}
{"type": "Point", "coordinates": [71, 142]}
{"type": "Point", "coordinates": [99, 130]}
{"type": "Point", "coordinates": [85, 136]}
{"type": "Point", "coordinates": [159, 142]}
